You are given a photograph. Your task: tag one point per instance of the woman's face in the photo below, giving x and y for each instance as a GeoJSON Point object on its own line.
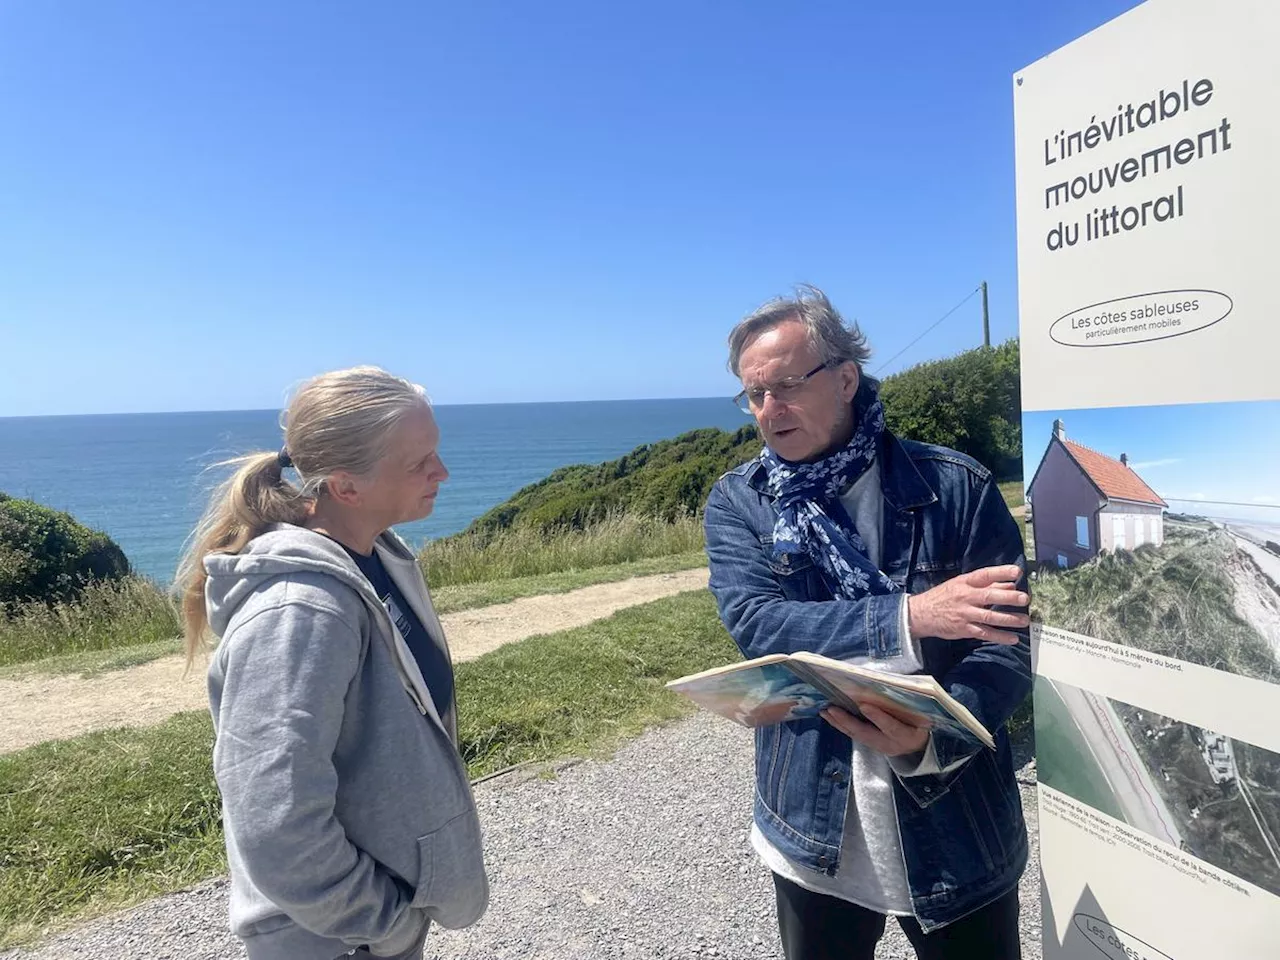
{"type": "Point", "coordinates": [404, 484]}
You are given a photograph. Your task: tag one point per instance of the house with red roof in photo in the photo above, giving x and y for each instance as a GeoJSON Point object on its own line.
{"type": "Point", "coordinates": [1084, 502]}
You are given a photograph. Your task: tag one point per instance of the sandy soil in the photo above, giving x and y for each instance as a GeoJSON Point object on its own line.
{"type": "Point", "coordinates": [38, 708]}
{"type": "Point", "coordinates": [1257, 601]}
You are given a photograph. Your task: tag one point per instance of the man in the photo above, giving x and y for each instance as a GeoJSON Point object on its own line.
{"type": "Point", "coordinates": [846, 541]}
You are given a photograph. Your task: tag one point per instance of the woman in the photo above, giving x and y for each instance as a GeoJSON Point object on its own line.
{"type": "Point", "coordinates": [350, 823]}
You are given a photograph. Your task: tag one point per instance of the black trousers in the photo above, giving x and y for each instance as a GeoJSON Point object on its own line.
{"type": "Point", "coordinates": [817, 927]}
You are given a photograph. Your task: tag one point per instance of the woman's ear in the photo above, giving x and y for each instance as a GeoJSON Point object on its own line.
{"type": "Point", "coordinates": [343, 488]}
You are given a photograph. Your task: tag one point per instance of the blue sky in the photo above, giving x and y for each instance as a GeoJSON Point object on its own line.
{"type": "Point", "coordinates": [1211, 451]}
{"type": "Point", "coordinates": [201, 204]}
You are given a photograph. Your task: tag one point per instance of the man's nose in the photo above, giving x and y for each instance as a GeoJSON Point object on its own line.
{"type": "Point", "coordinates": [770, 406]}
{"type": "Point", "coordinates": [442, 472]}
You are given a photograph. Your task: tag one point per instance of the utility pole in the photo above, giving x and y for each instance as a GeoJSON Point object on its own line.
{"type": "Point", "coordinates": [986, 318]}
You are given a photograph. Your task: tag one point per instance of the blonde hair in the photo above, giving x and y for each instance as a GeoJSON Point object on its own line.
{"type": "Point", "coordinates": [337, 421]}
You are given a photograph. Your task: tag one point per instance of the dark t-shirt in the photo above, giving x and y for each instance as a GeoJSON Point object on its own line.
{"type": "Point", "coordinates": [432, 662]}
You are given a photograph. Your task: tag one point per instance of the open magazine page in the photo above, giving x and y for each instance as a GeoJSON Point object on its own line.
{"type": "Point", "coordinates": [896, 695]}
{"type": "Point", "coordinates": [1146, 156]}
{"type": "Point", "coordinates": [755, 694]}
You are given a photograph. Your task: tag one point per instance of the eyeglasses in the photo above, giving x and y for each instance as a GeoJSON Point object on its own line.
{"type": "Point", "coordinates": [784, 390]}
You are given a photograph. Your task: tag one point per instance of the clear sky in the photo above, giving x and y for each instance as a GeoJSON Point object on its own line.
{"type": "Point", "coordinates": [201, 204]}
{"type": "Point", "coordinates": [1222, 452]}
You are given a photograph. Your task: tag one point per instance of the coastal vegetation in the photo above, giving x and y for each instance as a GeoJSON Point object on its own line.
{"type": "Point", "coordinates": [107, 615]}
{"type": "Point", "coordinates": [617, 536]}
{"type": "Point", "coordinates": [47, 555]}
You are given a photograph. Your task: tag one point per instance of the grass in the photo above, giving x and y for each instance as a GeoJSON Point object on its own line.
{"type": "Point", "coordinates": [1011, 490]}
{"type": "Point", "coordinates": [468, 595]}
{"type": "Point", "coordinates": [520, 552]}
{"type": "Point", "coordinates": [106, 819]}
{"type": "Point", "coordinates": [111, 818]}
{"type": "Point", "coordinates": [1177, 600]}
{"type": "Point", "coordinates": [109, 615]}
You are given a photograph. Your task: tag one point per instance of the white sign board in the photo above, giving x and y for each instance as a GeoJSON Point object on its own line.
{"type": "Point", "coordinates": [1149, 281]}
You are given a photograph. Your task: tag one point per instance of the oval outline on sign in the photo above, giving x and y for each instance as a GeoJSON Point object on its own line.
{"type": "Point", "coordinates": [1230, 304]}
{"type": "Point", "coordinates": [1111, 926]}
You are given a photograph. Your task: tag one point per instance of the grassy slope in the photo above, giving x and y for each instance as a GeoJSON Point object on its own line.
{"type": "Point", "coordinates": [1176, 600]}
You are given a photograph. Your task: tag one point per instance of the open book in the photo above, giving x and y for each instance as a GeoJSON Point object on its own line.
{"type": "Point", "coordinates": [768, 690]}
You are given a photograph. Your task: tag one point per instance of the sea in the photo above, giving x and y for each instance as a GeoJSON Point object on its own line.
{"type": "Point", "coordinates": [144, 479]}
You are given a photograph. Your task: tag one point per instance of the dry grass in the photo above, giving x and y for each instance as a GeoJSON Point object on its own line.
{"type": "Point", "coordinates": [108, 615]}
{"type": "Point", "coordinates": [525, 552]}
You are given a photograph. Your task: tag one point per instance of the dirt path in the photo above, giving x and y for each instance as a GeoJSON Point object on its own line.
{"type": "Point", "coordinates": [38, 708]}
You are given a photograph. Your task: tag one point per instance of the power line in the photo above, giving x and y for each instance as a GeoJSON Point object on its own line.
{"type": "Point", "coordinates": [971, 295]}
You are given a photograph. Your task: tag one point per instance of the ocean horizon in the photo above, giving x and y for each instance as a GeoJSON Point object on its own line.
{"type": "Point", "coordinates": [144, 478]}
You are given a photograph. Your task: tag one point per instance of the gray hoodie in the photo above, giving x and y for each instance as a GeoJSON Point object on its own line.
{"type": "Point", "coordinates": [348, 814]}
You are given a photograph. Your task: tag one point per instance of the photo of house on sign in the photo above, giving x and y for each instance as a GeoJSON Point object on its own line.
{"type": "Point", "coordinates": [1085, 502]}
{"type": "Point", "coordinates": [1159, 528]}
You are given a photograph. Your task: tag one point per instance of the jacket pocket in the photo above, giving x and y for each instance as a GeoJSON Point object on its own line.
{"type": "Point", "coordinates": [795, 572]}
{"type": "Point", "coordinates": [452, 885]}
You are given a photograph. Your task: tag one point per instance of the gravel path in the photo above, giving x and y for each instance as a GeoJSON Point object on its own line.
{"type": "Point", "coordinates": [641, 856]}
{"type": "Point", "coordinates": [38, 708]}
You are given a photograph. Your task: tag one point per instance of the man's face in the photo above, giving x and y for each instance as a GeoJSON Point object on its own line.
{"type": "Point", "coordinates": [816, 416]}
{"type": "Point", "coordinates": [406, 480]}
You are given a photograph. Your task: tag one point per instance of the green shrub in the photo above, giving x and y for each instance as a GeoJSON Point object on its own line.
{"type": "Point", "coordinates": [971, 402]}
{"type": "Point", "coordinates": [47, 555]}
{"type": "Point", "coordinates": [667, 480]}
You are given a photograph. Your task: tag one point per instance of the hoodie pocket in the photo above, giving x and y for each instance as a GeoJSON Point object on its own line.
{"type": "Point", "coordinates": [452, 885]}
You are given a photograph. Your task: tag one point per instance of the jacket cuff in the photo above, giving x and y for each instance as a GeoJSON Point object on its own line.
{"type": "Point", "coordinates": [884, 625]}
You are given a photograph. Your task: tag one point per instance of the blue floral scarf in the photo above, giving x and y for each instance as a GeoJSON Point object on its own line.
{"type": "Point", "coordinates": [811, 519]}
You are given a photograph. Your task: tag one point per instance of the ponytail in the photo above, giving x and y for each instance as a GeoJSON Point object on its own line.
{"type": "Point", "coordinates": [256, 496]}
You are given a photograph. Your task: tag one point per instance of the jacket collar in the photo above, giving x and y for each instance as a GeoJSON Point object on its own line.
{"type": "Point", "coordinates": [901, 482]}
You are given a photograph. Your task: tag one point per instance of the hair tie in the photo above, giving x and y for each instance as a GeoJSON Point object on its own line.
{"type": "Point", "coordinates": [284, 459]}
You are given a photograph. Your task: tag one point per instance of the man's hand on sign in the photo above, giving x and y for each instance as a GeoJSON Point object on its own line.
{"type": "Point", "coordinates": [961, 608]}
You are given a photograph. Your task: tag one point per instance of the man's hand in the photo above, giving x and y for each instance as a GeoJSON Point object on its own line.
{"type": "Point", "coordinates": [960, 609]}
{"type": "Point", "coordinates": [884, 733]}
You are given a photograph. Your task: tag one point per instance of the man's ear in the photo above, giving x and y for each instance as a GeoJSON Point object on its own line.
{"type": "Point", "coordinates": [849, 380]}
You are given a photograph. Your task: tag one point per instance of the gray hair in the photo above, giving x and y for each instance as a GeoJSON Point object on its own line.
{"type": "Point", "coordinates": [833, 339]}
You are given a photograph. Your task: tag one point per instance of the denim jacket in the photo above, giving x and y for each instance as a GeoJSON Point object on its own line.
{"type": "Point", "coordinates": [963, 836]}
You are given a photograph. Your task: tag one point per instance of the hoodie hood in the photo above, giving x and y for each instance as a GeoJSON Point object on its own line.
{"type": "Point", "coordinates": [284, 549]}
